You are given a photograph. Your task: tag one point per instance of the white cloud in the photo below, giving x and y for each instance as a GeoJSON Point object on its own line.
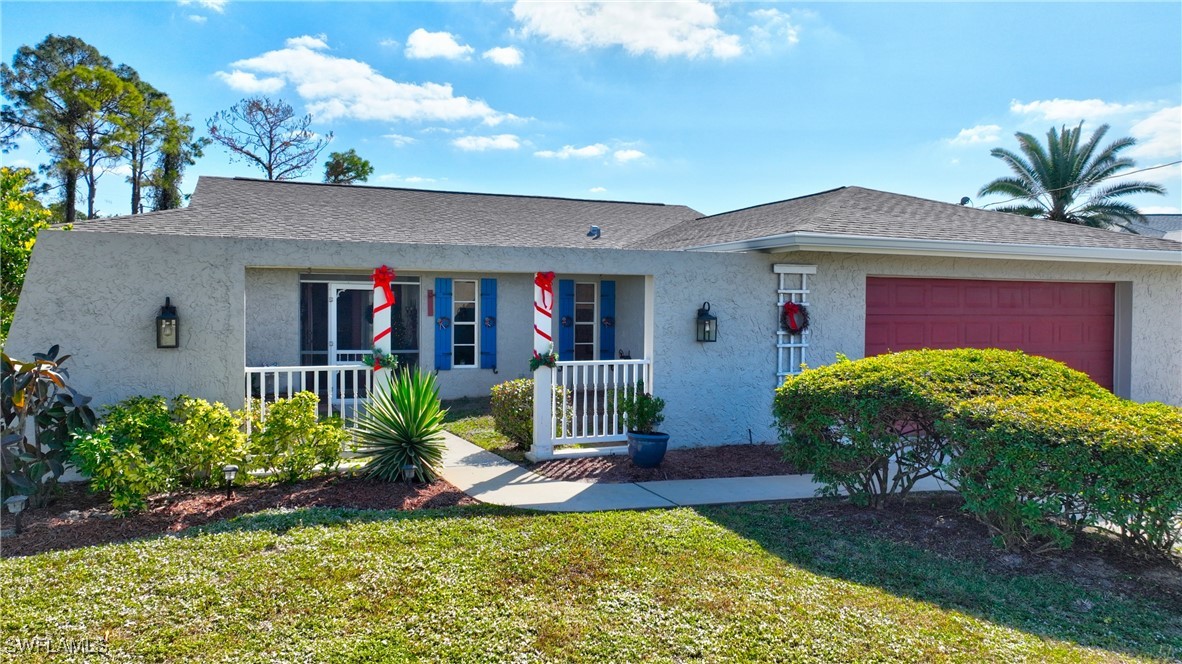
{"type": "Point", "coordinates": [315, 42]}
{"type": "Point", "coordinates": [244, 81]}
{"type": "Point", "coordinates": [624, 156]}
{"type": "Point", "coordinates": [410, 179]}
{"type": "Point", "coordinates": [507, 56]}
{"type": "Point", "coordinates": [421, 45]}
{"type": "Point", "coordinates": [1159, 209]}
{"type": "Point", "coordinates": [218, 6]}
{"type": "Point", "coordinates": [662, 29]}
{"type": "Point", "coordinates": [399, 140]}
{"type": "Point", "coordinates": [1074, 110]}
{"type": "Point", "coordinates": [482, 143]}
{"type": "Point", "coordinates": [597, 190]}
{"type": "Point", "coordinates": [335, 87]}
{"type": "Point", "coordinates": [978, 135]}
{"type": "Point", "coordinates": [568, 151]}
{"type": "Point", "coordinates": [197, 18]}
{"type": "Point", "coordinates": [389, 43]}
{"type": "Point", "coordinates": [774, 27]}
{"type": "Point", "coordinates": [1159, 136]}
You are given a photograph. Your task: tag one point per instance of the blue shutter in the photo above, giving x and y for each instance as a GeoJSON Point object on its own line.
{"type": "Point", "coordinates": [607, 311]}
{"type": "Point", "coordinates": [488, 326]}
{"type": "Point", "coordinates": [442, 334]}
{"type": "Point", "coordinates": [566, 320]}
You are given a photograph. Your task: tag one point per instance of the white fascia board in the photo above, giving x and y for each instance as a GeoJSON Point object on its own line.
{"type": "Point", "coordinates": [807, 241]}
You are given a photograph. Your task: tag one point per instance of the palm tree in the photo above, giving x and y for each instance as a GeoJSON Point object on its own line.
{"type": "Point", "coordinates": [1069, 181]}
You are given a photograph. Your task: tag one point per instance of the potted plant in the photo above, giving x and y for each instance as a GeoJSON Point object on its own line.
{"type": "Point", "coordinates": [642, 413]}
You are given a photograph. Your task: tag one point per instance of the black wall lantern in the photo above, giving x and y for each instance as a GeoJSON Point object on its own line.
{"type": "Point", "coordinates": [168, 326]}
{"type": "Point", "coordinates": [707, 324]}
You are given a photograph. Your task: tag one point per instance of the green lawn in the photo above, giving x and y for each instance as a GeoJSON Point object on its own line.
{"type": "Point", "coordinates": [469, 419]}
{"type": "Point", "coordinates": [737, 583]}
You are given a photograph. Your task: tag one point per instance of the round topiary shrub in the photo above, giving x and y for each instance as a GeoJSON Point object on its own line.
{"type": "Point", "coordinates": [1036, 469]}
{"type": "Point", "coordinates": [874, 427]}
{"type": "Point", "coordinates": [513, 410]}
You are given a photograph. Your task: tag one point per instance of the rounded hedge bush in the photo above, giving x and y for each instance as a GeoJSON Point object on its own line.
{"type": "Point", "coordinates": [1038, 469]}
{"type": "Point", "coordinates": [874, 427]}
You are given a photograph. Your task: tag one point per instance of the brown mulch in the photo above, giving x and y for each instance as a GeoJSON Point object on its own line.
{"type": "Point", "coordinates": [78, 518]}
{"type": "Point", "coordinates": [937, 522]}
{"type": "Point", "coordinates": [685, 464]}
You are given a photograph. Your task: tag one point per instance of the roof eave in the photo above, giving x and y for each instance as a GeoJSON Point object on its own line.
{"type": "Point", "coordinates": [809, 241]}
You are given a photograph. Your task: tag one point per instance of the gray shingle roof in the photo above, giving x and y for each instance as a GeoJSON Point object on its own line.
{"type": "Point", "coordinates": [870, 213]}
{"type": "Point", "coordinates": [1159, 225]}
{"type": "Point", "coordinates": [248, 208]}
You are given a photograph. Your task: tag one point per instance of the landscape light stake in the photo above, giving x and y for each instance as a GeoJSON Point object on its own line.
{"type": "Point", "coordinates": [16, 505]}
{"type": "Point", "coordinates": [229, 473]}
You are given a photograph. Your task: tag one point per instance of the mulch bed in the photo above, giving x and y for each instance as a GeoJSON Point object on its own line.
{"type": "Point", "coordinates": [78, 518]}
{"type": "Point", "coordinates": [686, 464]}
{"type": "Point", "coordinates": [937, 522]}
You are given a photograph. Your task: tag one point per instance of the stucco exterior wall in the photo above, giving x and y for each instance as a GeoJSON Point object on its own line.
{"type": "Point", "coordinates": [838, 312]}
{"type": "Point", "coordinates": [272, 317]}
{"type": "Point", "coordinates": [83, 292]}
{"type": "Point", "coordinates": [97, 295]}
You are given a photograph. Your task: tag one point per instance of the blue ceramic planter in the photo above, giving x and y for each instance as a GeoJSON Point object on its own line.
{"type": "Point", "coordinates": [647, 449]}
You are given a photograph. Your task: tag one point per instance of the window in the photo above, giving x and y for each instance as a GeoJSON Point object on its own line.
{"type": "Point", "coordinates": [464, 323]}
{"type": "Point", "coordinates": [585, 321]}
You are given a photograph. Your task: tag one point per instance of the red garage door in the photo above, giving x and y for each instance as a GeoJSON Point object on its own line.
{"type": "Point", "coordinates": [1069, 322]}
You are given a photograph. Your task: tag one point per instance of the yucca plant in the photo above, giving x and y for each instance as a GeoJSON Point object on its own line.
{"type": "Point", "coordinates": [401, 426]}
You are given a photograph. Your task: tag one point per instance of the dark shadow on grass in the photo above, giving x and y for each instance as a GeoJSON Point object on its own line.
{"type": "Point", "coordinates": [837, 540]}
{"type": "Point", "coordinates": [280, 521]}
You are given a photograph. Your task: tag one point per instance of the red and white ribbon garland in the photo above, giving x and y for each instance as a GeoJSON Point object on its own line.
{"type": "Point", "coordinates": [382, 277]}
{"type": "Point", "coordinates": [543, 311]}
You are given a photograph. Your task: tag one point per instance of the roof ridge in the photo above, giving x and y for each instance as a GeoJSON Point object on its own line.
{"type": "Point", "coordinates": [99, 220]}
{"type": "Point", "coordinates": [438, 191]}
{"type": "Point", "coordinates": [786, 200]}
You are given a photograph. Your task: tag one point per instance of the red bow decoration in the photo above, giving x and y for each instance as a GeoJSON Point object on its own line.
{"type": "Point", "coordinates": [791, 311]}
{"type": "Point", "coordinates": [545, 280]}
{"type": "Point", "coordinates": [382, 277]}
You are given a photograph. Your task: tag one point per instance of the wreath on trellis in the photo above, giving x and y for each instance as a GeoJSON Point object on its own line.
{"type": "Point", "coordinates": [794, 318]}
{"type": "Point", "coordinates": [548, 359]}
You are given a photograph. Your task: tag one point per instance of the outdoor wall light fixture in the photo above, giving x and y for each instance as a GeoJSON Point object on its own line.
{"type": "Point", "coordinates": [707, 324]}
{"type": "Point", "coordinates": [168, 326]}
{"type": "Point", "coordinates": [229, 473]}
{"type": "Point", "coordinates": [16, 505]}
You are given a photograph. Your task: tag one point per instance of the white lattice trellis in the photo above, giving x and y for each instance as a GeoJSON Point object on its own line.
{"type": "Point", "coordinates": [790, 348]}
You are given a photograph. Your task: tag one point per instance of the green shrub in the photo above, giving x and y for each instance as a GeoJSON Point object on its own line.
{"type": "Point", "coordinates": [36, 393]}
{"type": "Point", "coordinates": [292, 441]}
{"type": "Point", "coordinates": [142, 446]}
{"type": "Point", "coordinates": [513, 410]}
{"type": "Point", "coordinates": [641, 411]}
{"type": "Point", "coordinates": [1038, 469]}
{"type": "Point", "coordinates": [403, 425]}
{"type": "Point", "coordinates": [206, 437]}
{"type": "Point", "coordinates": [873, 426]}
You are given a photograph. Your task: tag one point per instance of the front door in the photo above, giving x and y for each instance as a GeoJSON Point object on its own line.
{"type": "Point", "coordinates": [350, 323]}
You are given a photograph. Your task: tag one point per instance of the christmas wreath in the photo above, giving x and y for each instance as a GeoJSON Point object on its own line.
{"type": "Point", "coordinates": [379, 358]}
{"type": "Point", "coordinates": [548, 360]}
{"type": "Point", "coordinates": [795, 318]}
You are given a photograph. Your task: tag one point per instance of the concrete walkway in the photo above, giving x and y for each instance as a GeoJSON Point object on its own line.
{"type": "Point", "coordinates": [491, 479]}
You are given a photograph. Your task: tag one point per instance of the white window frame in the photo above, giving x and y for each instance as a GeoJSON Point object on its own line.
{"type": "Point", "coordinates": [455, 302]}
{"type": "Point", "coordinates": [594, 324]}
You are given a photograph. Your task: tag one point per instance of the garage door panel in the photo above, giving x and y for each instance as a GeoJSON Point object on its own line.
{"type": "Point", "coordinates": [1069, 322]}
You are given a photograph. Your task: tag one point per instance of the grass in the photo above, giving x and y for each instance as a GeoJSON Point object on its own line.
{"type": "Point", "coordinates": [735, 583]}
{"type": "Point", "coordinates": [469, 419]}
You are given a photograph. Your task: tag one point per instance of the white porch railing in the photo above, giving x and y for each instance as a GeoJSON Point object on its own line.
{"type": "Point", "coordinates": [342, 388]}
{"type": "Point", "coordinates": [578, 403]}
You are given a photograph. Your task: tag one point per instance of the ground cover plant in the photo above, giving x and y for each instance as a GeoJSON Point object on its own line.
{"type": "Point", "coordinates": [737, 583]}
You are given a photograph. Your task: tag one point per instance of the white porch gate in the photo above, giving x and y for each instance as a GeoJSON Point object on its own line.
{"type": "Point", "coordinates": [578, 403]}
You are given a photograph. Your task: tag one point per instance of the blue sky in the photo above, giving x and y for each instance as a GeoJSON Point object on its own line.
{"type": "Point", "coordinates": [715, 106]}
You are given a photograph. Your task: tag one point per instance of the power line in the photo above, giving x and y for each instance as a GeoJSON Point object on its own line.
{"type": "Point", "coordinates": [1110, 177]}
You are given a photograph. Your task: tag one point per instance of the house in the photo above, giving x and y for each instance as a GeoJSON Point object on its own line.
{"type": "Point", "coordinates": [272, 287]}
{"type": "Point", "coordinates": [1168, 226]}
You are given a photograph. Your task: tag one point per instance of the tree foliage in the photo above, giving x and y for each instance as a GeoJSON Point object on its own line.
{"type": "Point", "coordinates": [89, 115]}
{"type": "Point", "coordinates": [21, 217]}
{"type": "Point", "coordinates": [346, 168]}
{"type": "Point", "coordinates": [269, 135]}
{"type": "Point", "coordinates": [1070, 180]}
